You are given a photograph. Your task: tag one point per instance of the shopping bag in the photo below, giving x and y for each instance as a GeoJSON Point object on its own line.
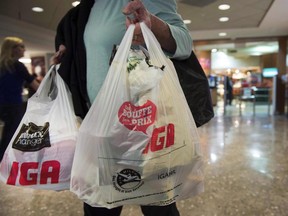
{"type": "Point", "coordinates": [138, 144]}
{"type": "Point", "coordinates": [40, 154]}
{"type": "Point", "coordinates": [194, 83]}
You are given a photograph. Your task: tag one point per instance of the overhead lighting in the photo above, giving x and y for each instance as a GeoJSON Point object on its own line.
{"type": "Point", "coordinates": [255, 153]}
{"type": "Point", "coordinates": [187, 21]}
{"type": "Point", "coordinates": [214, 50]}
{"type": "Point", "coordinates": [213, 157]}
{"type": "Point", "coordinates": [222, 34]}
{"type": "Point", "coordinates": [37, 9]}
{"type": "Point", "coordinates": [224, 7]}
{"type": "Point", "coordinates": [75, 3]}
{"type": "Point", "coordinates": [224, 19]}
{"type": "Point", "coordinates": [256, 53]}
{"type": "Point", "coordinates": [25, 60]}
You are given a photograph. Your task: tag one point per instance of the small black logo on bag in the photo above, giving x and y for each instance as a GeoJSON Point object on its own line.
{"type": "Point", "coordinates": [127, 180]}
{"type": "Point", "coordinates": [32, 137]}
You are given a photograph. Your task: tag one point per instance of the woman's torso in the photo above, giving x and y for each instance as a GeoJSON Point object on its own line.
{"type": "Point", "coordinates": [105, 27]}
{"type": "Point", "coordinates": [11, 84]}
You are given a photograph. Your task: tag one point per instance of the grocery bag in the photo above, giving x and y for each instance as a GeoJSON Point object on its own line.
{"type": "Point", "coordinates": [40, 154]}
{"type": "Point", "coordinates": [138, 144]}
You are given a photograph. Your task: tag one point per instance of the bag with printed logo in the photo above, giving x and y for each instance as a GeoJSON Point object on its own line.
{"type": "Point", "coordinates": [41, 152]}
{"type": "Point", "coordinates": [138, 144]}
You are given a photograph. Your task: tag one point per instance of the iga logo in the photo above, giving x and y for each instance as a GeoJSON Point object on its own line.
{"type": "Point", "coordinates": [162, 137]}
{"type": "Point", "coordinates": [33, 173]}
{"type": "Point", "coordinates": [127, 180]}
{"type": "Point", "coordinates": [137, 118]}
{"type": "Point", "coordinates": [32, 137]}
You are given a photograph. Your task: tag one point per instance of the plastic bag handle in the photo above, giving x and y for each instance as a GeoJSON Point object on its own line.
{"type": "Point", "coordinates": [125, 45]}
{"type": "Point", "coordinates": [42, 90]}
{"type": "Point", "coordinates": [152, 44]}
{"type": "Point", "coordinates": [156, 52]}
{"type": "Point", "coordinates": [53, 89]}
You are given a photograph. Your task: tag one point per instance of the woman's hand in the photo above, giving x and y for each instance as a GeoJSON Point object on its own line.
{"type": "Point", "coordinates": [56, 58]}
{"type": "Point", "coordinates": [135, 13]}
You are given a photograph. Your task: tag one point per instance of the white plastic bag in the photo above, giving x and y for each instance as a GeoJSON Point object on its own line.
{"type": "Point", "coordinates": [40, 154]}
{"type": "Point", "coordinates": [140, 148]}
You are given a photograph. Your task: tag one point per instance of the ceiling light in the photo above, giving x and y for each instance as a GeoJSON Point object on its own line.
{"type": "Point", "coordinates": [224, 7]}
{"type": "Point", "coordinates": [75, 3]}
{"type": "Point", "coordinates": [222, 34]}
{"type": "Point", "coordinates": [187, 21]}
{"type": "Point", "coordinates": [37, 9]}
{"type": "Point", "coordinates": [214, 50]}
{"type": "Point", "coordinates": [223, 19]}
{"type": "Point", "coordinates": [25, 60]}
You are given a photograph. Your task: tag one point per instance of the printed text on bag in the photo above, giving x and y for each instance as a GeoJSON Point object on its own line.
{"type": "Point", "coordinates": [32, 137]}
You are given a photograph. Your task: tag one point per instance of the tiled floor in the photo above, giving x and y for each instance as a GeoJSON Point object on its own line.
{"type": "Point", "coordinates": [246, 172]}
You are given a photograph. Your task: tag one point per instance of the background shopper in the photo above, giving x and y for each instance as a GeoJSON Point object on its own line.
{"type": "Point", "coordinates": [13, 75]}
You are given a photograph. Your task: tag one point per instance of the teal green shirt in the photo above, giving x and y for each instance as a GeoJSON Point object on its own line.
{"type": "Point", "coordinates": [106, 27]}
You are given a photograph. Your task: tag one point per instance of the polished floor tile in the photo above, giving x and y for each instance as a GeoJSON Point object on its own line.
{"type": "Point", "coordinates": [246, 173]}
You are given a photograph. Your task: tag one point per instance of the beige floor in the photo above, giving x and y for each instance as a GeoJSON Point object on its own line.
{"type": "Point", "coordinates": [246, 173]}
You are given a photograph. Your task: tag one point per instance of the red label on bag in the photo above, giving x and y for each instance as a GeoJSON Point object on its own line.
{"type": "Point", "coordinates": [137, 118]}
{"type": "Point", "coordinates": [32, 173]}
{"type": "Point", "coordinates": [162, 137]}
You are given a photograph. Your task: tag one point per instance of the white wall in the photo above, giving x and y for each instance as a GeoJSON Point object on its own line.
{"type": "Point", "coordinates": [38, 41]}
{"type": "Point", "coordinates": [222, 60]}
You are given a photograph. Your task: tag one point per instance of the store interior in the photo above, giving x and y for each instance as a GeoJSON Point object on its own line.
{"type": "Point", "coordinates": [241, 42]}
{"type": "Point", "coordinates": [244, 146]}
{"type": "Point", "coordinates": [250, 67]}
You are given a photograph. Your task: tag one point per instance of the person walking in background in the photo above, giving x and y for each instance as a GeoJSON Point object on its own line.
{"type": "Point", "coordinates": [13, 75]}
{"type": "Point", "coordinates": [84, 42]}
{"type": "Point", "coordinates": [229, 90]}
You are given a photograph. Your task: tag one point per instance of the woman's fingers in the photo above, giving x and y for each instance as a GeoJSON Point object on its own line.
{"type": "Point", "coordinates": [56, 58]}
{"type": "Point", "coordinates": [135, 13]}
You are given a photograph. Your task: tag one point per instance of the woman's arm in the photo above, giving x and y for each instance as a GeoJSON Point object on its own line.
{"type": "Point", "coordinates": [166, 24]}
{"type": "Point", "coordinates": [162, 32]}
{"type": "Point", "coordinates": [24, 73]}
{"type": "Point", "coordinates": [34, 85]}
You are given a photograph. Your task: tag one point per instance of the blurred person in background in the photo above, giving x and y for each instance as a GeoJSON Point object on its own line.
{"type": "Point", "coordinates": [229, 90]}
{"type": "Point", "coordinates": [13, 75]}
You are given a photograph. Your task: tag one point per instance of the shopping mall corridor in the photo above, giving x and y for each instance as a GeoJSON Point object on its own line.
{"type": "Point", "coordinates": [246, 173]}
